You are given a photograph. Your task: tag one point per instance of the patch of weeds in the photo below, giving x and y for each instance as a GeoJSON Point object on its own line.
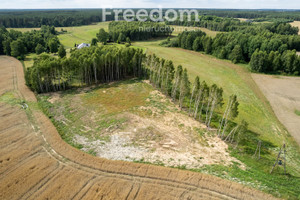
{"type": "Point", "coordinates": [92, 152]}
{"type": "Point", "coordinates": [159, 163]}
{"type": "Point", "coordinates": [105, 138]}
{"type": "Point", "coordinates": [181, 167]}
{"type": "Point", "coordinates": [199, 131]}
{"type": "Point", "coordinates": [181, 125]}
{"type": "Point", "coordinates": [10, 98]}
{"type": "Point", "coordinates": [297, 112]}
{"type": "Point", "coordinates": [62, 129]}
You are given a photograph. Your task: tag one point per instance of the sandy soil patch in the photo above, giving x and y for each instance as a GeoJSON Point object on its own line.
{"type": "Point", "coordinates": [170, 138]}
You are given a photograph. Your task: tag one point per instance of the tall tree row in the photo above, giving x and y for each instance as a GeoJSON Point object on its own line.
{"type": "Point", "coordinates": [120, 30]}
{"type": "Point", "coordinates": [199, 100]}
{"type": "Point", "coordinates": [265, 50]}
{"type": "Point", "coordinates": [85, 67]}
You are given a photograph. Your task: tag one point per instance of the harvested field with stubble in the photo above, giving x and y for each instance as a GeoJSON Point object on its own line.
{"type": "Point", "coordinates": [283, 94]}
{"type": "Point", "coordinates": [35, 163]}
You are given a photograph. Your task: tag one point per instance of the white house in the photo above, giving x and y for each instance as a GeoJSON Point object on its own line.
{"type": "Point", "coordinates": [82, 45]}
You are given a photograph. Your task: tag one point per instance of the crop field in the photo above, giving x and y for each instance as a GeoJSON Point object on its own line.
{"type": "Point", "coordinates": [36, 163]}
{"type": "Point", "coordinates": [284, 96]}
{"type": "Point", "coordinates": [179, 29]}
{"type": "Point", "coordinates": [296, 24]}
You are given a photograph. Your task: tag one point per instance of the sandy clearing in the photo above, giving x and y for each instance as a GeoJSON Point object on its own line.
{"type": "Point", "coordinates": [53, 169]}
{"type": "Point", "coordinates": [283, 94]}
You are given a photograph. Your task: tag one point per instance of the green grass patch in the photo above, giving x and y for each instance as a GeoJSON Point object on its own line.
{"type": "Point", "coordinates": [118, 97]}
{"type": "Point", "coordinates": [10, 98]}
{"type": "Point", "coordinates": [94, 112]}
{"type": "Point", "coordinates": [297, 112]}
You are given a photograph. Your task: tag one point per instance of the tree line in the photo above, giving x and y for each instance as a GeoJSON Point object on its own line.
{"type": "Point", "coordinates": [119, 31]}
{"type": "Point", "coordinates": [257, 45]}
{"type": "Point", "coordinates": [211, 22]}
{"type": "Point", "coordinates": [288, 15]}
{"type": "Point", "coordinates": [77, 17]}
{"type": "Point", "coordinates": [57, 18]}
{"type": "Point", "coordinates": [84, 67]}
{"type": "Point", "coordinates": [198, 99]}
{"type": "Point", "coordinates": [225, 24]}
{"type": "Point", "coordinates": [18, 44]}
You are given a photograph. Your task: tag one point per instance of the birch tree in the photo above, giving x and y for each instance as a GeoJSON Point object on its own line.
{"type": "Point", "coordinates": [176, 85]}
{"type": "Point", "coordinates": [231, 112]}
{"type": "Point", "coordinates": [184, 88]}
{"type": "Point", "coordinates": [195, 89]}
{"type": "Point", "coordinates": [217, 100]}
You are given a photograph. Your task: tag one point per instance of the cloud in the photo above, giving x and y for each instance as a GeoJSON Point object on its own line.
{"type": "Point", "coordinates": [238, 4]}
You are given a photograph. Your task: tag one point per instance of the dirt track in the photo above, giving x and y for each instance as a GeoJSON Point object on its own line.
{"type": "Point", "coordinates": [38, 164]}
{"type": "Point", "coordinates": [284, 97]}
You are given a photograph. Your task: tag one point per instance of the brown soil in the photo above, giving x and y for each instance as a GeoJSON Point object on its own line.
{"type": "Point", "coordinates": [284, 97]}
{"type": "Point", "coordinates": [38, 164]}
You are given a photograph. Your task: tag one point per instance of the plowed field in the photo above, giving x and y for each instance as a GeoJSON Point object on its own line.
{"type": "Point", "coordinates": [35, 163]}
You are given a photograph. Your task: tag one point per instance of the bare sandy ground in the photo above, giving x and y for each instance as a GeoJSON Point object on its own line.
{"type": "Point", "coordinates": [35, 163]}
{"type": "Point", "coordinates": [283, 94]}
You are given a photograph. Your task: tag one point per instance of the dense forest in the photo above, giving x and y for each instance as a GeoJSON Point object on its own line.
{"type": "Point", "coordinates": [215, 23]}
{"type": "Point", "coordinates": [77, 17]}
{"type": "Point", "coordinates": [85, 67]}
{"type": "Point", "coordinates": [270, 48]}
{"type": "Point", "coordinates": [211, 22]}
{"type": "Point", "coordinates": [119, 31]}
{"type": "Point", "coordinates": [18, 44]}
{"type": "Point", "coordinates": [57, 18]}
{"type": "Point", "coordinates": [266, 15]}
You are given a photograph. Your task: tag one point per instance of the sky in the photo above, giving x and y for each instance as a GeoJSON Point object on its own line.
{"type": "Point", "coordinates": [238, 4]}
